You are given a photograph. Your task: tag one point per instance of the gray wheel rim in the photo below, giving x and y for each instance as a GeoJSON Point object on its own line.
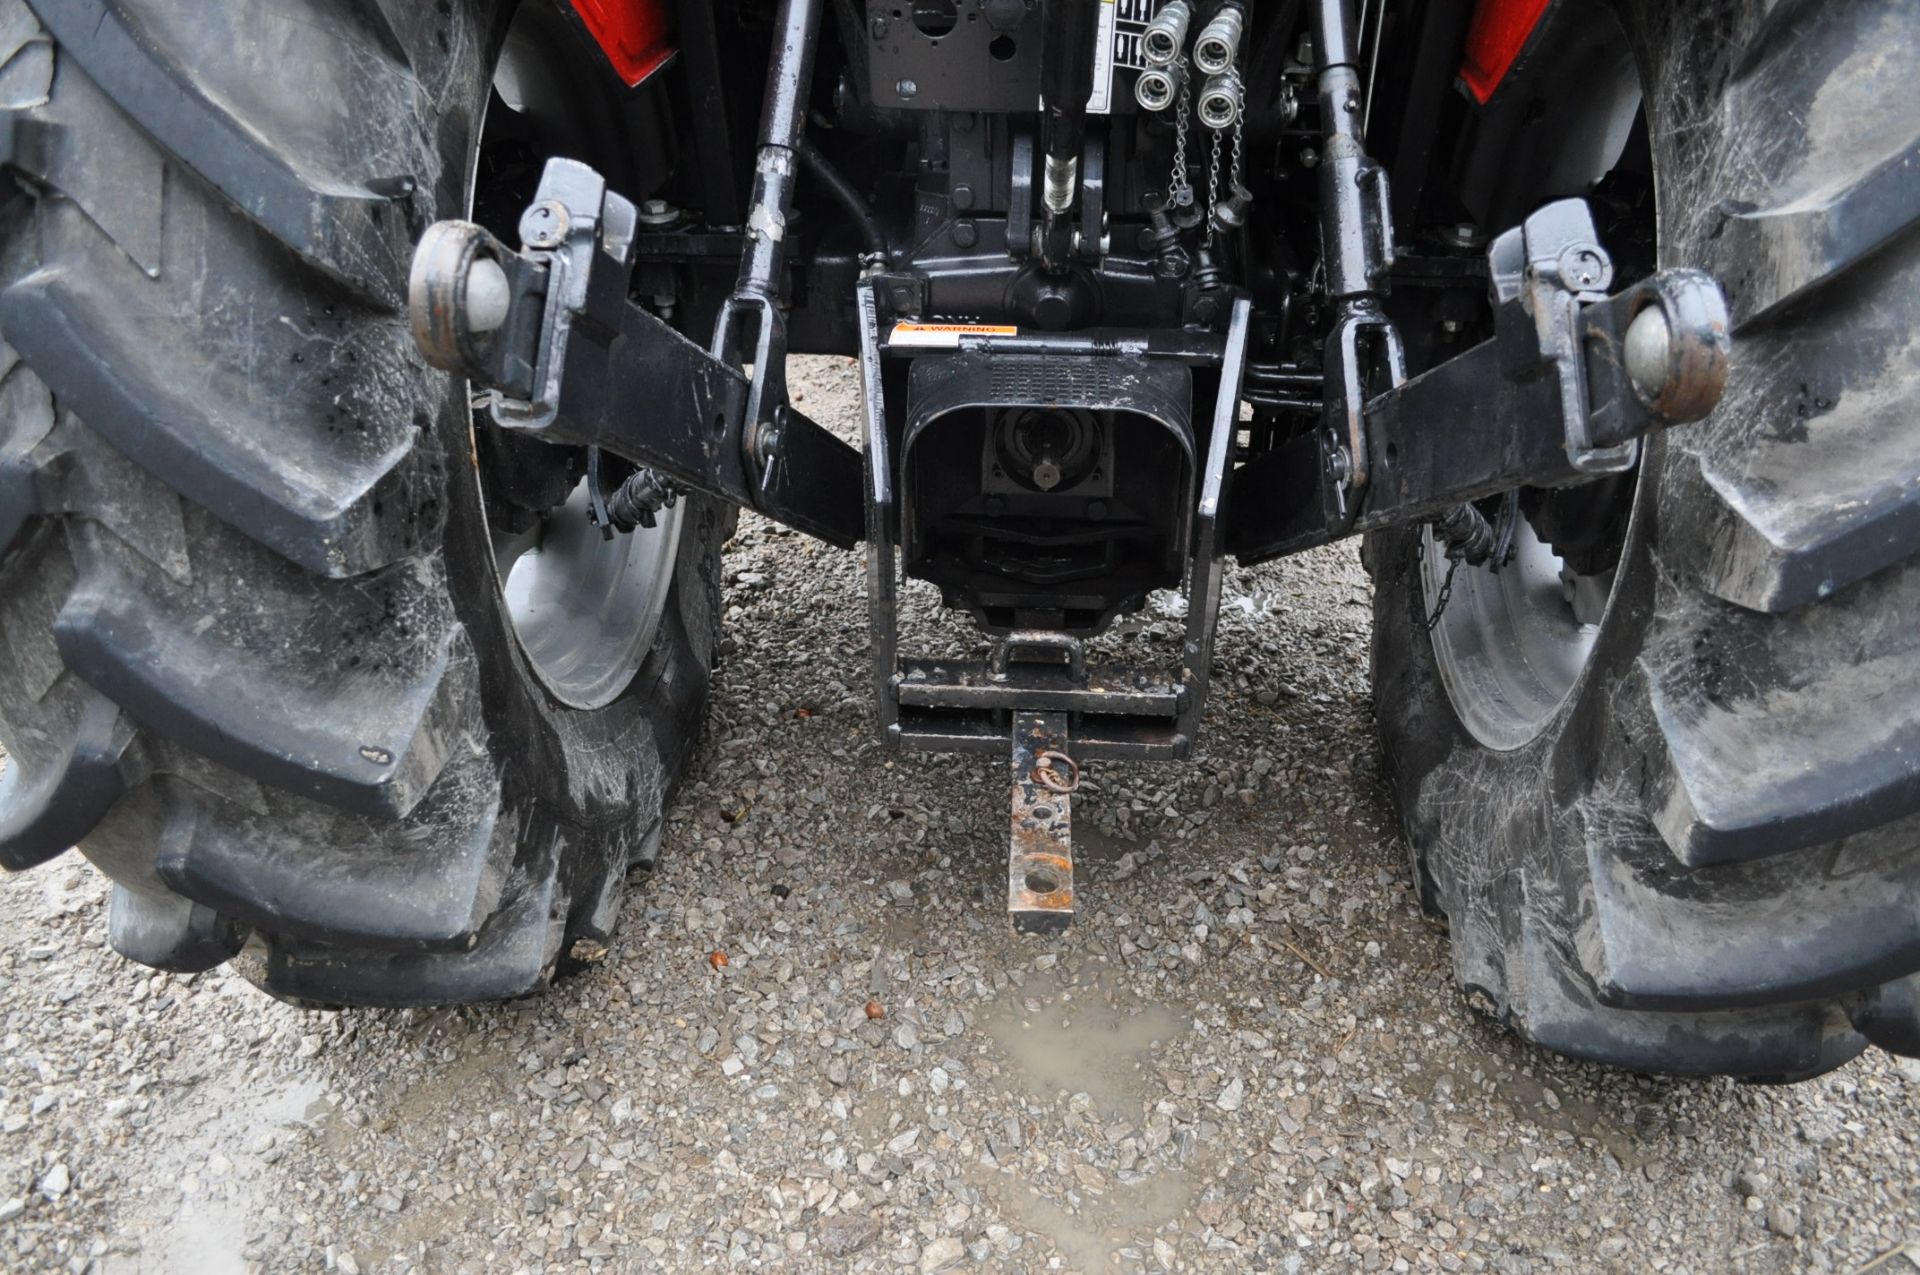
{"type": "Point", "coordinates": [587, 609]}
{"type": "Point", "coordinates": [1511, 643]}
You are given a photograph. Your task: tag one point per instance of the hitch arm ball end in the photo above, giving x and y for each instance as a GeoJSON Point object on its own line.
{"type": "Point", "coordinates": [1676, 349]}
{"type": "Point", "coordinates": [457, 293]}
{"type": "Point", "coordinates": [1648, 339]}
{"type": "Point", "coordinates": [489, 296]}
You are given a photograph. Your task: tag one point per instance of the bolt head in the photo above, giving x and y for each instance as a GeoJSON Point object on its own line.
{"type": "Point", "coordinates": [879, 28]}
{"type": "Point", "coordinates": [1585, 268]}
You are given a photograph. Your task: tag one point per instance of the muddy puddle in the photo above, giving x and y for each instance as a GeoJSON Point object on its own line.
{"type": "Point", "coordinates": [207, 1208]}
{"type": "Point", "coordinates": [1084, 1040]}
{"type": "Point", "coordinates": [1083, 1052]}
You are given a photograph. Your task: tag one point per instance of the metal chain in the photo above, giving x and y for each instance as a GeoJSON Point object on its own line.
{"type": "Point", "coordinates": [1213, 187]}
{"type": "Point", "coordinates": [1235, 184]}
{"type": "Point", "coordinates": [1446, 595]}
{"type": "Point", "coordinates": [1179, 189]}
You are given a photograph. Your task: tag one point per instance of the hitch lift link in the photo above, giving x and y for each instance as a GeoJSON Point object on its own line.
{"type": "Point", "coordinates": [1562, 392]}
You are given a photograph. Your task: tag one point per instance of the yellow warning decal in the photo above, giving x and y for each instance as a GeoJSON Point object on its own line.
{"type": "Point", "coordinates": [944, 335]}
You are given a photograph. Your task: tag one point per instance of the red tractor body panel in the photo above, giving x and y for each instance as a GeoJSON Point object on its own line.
{"type": "Point", "coordinates": [635, 35]}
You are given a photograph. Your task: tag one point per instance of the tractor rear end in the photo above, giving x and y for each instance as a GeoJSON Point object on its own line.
{"type": "Point", "coordinates": [365, 471]}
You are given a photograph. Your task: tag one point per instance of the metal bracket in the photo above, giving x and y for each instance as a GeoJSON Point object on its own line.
{"type": "Point", "coordinates": [1090, 241]}
{"type": "Point", "coordinates": [1040, 848]}
{"type": "Point", "coordinates": [1208, 565]}
{"type": "Point", "coordinates": [1038, 640]}
{"type": "Point", "coordinates": [1020, 163]}
{"type": "Point", "coordinates": [1552, 265]}
{"type": "Point", "coordinates": [1116, 711]}
{"type": "Point", "coordinates": [573, 217]}
{"type": "Point", "coordinates": [570, 360]}
{"type": "Point", "coordinates": [1569, 383]}
{"type": "Point", "coordinates": [1363, 354]}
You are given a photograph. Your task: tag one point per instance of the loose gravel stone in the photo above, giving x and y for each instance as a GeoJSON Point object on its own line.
{"type": "Point", "coordinates": [847, 1234]}
{"type": "Point", "coordinates": [942, 1254]}
{"type": "Point", "coordinates": [1246, 1055]}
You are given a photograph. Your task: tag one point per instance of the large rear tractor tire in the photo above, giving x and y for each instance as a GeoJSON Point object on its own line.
{"type": "Point", "coordinates": [1668, 799]}
{"type": "Point", "coordinates": [264, 660]}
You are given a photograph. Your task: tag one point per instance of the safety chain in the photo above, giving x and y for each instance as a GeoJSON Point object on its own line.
{"type": "Point", "coordinates": [1238, 171]}
{"type": "Point", "coordinates": [1179, 188]}
{"type": "Point", "coordinates": [1446, 595]}
{"type": "Point", "coordinates": [1213, 187]}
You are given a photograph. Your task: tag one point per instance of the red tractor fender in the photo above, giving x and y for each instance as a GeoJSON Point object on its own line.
{"type": "Point", "coordinates": [636, 35]}
{"type": "Point", "coordinates": [1499, 31]}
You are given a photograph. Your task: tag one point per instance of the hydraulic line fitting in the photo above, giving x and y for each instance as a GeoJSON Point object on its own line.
{"type": "Point", "coordinates": [1062, 175]}
{"type": "Point", "coordinates": [1219, 105]}
{"type": "Point", "coordinates": [1158, 87]}
{"type": "Point", "coordinates": [1066, 81]}
{"type": "Point", "coordinates": [638, 501]}
{"type": "Point", "coordinates": [1166, 35]}
{"type": "Point", "coordinates": [1217, 47]}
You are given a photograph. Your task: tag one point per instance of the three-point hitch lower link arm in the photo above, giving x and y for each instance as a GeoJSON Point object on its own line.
{"type": "Point", "coordinates": [569, 359]}
{"type": "Point", "coordinates": [1570, 382]}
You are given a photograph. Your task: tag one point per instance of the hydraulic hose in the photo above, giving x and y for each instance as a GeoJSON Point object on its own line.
{"type": "Point", "coordinates": [843, 190]}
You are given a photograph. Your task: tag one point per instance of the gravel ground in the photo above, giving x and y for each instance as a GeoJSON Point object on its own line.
{"type": "Point", "coordinates": [1246, 1055]}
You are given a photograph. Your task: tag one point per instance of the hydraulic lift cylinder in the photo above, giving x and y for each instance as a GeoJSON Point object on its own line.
{"type": "Point", "coordinates": [1066, 81]}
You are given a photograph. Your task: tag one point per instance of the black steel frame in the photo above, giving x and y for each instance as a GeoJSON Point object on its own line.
{"type": "Point", "coordinates": [965, 705]}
